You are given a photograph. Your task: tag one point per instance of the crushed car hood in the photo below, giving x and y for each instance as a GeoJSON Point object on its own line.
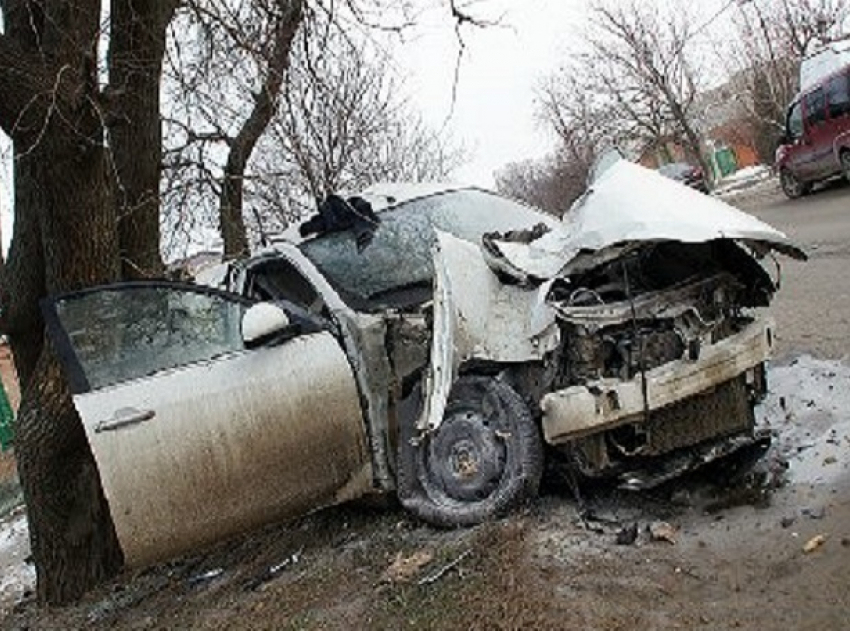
{"type": "Point", "coordinates": [627, 205]}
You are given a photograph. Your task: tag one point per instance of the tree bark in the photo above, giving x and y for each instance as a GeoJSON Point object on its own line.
{"type": "Point", "coordinates": [72, 537]}
{"type": "Point", "coordinates": [136, 50]}
{"type": "Point", "coordinates": [231, 221]}
{"type": "Point", "coordinates": [64, 239]}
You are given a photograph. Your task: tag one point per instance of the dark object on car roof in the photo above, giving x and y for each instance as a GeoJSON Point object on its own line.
{"type": "Point", "coordinates": [338, 215]}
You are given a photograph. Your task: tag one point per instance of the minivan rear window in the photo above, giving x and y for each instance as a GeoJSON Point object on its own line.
{"type": "Point", "coordinates": [815, 107]}
{"type": "Point", "coordinates": [838, 95]}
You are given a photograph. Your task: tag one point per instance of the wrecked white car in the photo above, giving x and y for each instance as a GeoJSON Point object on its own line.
{"type": "Point", "coordinates": [433, 343]}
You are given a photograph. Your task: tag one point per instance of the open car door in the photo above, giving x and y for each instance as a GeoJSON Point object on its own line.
{"type": "Point", "coordinates": [195, 436]}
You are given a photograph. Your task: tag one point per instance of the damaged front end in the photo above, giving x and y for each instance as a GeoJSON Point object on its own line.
{"type": "Point", "coordinates": [663, 351]}
{"type": "Point", "coordinates": [635, 333]}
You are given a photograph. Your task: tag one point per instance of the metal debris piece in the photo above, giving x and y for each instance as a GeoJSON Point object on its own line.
{"type": "Point", "coordinates": [206, 576]}
{"type": "Point", "coordinates": [273, 571]}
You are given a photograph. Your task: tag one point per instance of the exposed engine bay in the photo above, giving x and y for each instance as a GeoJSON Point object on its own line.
{"type": "Point", "coordinates": [658, 304]}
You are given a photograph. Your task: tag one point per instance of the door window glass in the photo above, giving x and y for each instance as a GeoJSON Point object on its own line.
{"type": "Point", "coordinates": [127, 332]}
{"type": "Point", "coordinates": [795, 122]}
{"type": "Point", "coordinates": [815, 107]}
{"type": "Point", "coordinates": [838, 96]}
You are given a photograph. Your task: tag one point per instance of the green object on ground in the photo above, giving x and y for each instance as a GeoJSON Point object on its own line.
{"type": "Point", "coordinates": [726, 161]}
{"type": "Point", "coordinates": [7, 431]}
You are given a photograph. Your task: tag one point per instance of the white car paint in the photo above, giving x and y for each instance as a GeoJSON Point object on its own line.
{"type": "Point", "coordinates": [194, 454]}
{"type": "Point", "coordinates": [628, 204]}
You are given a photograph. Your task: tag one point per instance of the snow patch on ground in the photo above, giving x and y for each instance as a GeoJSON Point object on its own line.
{"type": "Point", "coordinates": [746, 173]}
{"type": "Point", "coordinates": [16, 575]}
{"type": "Point", "coordinates": [808, 408]}
{"type": "Point", "coordinates": [742, 180]}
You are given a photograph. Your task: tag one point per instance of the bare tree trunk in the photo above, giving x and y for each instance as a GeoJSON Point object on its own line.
{"type": "Point", "coordinates": [691, 138]}
{"type": "Point", "coordinates": [65, 238]}
{"type": "Point", "coordinates": [136, 50]}
{"type": "Point", "coordinates": [72, 537]}
{"type": "Point", "coordinates": [232, 223]}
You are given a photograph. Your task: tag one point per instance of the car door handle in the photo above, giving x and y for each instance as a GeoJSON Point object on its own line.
{"type": "Point", "coordinates": [123, 418]}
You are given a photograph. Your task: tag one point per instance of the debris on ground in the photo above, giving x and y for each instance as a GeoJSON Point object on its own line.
{"type": "Point", "coordinates": [272, 572]}
{"type": "Point", "coordinates": [627, 535]}
{"type": "Point", "coordinates": [662, 531]}
{"type": "Point", "coordinates": [814, 513]}
{"type": "Point", "coordinates": [403, 568]}
{"type": "Point", "coordinates": [205, 577]}
{"type": "Point", "coordinates": [432, 578]}
{"type": "Point", "coordinates": [814, 543]}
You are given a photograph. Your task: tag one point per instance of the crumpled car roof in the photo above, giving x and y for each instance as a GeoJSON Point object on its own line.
{"type": "Point", "coordinates": [628, 204]}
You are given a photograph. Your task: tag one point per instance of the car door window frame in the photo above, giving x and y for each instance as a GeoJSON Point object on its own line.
{"type": "Point", "coordinates": [838, 95]}
{"type": "Point", "coordinates": [78, 381]}
{"type": "Point", "coordinates": [292, 255]}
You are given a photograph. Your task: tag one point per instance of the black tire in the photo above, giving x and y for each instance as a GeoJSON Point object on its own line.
{"type": "Point", "coordinates": [792, 186]}
{"type": "Point", "coordinates": [484, 460]}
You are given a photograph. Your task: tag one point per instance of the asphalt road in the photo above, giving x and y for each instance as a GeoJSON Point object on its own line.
{"type": "Point", "coordinates": [812, 308]}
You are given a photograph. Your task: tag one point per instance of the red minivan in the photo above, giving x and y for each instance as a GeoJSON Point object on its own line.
{"type": "Point", "coordinates": [816, 145]}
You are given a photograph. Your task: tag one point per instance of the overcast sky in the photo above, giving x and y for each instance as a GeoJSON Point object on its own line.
{"type": "Point", "coordinates": [494, 112]}
{"type": "Point", "coordinates": [493, 115]}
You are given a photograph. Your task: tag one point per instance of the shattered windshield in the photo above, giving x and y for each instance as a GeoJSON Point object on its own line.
{"type": "Point", "coordinates": [399, 255]}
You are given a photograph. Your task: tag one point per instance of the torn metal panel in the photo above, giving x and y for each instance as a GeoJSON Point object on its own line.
{"type": "Point", "coordinates": [578, 411]}
{"type": "Point", "coordinates": [364, 340]}
{"type": "Point", "coordinates": [478, 317]}
{"type": "Point", "coordinates": [690, 459]}
{"type": "Point", "coordinates": [493, 321]}
{"type": "Point", "coordinates": [442, 368]}
{"type": "Point", "coordinates": [628, 204]}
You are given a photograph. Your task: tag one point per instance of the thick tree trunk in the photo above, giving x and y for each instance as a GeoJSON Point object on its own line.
{"type": "Point", "coordinates": [72, 537]}
{"type": "Point", "coordinates": [231, 220]}
{"type": "Point", "coordinates": [71, 533]}
{"type": "Point", "coordinates": [136, 50]}
{"type": "Point", "coordinates": [64, 239]}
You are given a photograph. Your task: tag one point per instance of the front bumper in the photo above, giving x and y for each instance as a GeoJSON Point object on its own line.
{"type": "Point", "coordinates": [580, 411]}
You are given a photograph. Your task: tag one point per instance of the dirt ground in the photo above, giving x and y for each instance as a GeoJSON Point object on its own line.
{"type": "Point", "coordinates": [734, 547]}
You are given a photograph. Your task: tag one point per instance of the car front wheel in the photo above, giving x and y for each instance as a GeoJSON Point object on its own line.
{"type": "Point", "coordinates": [484, 459]}
{"type": "Point", "coordinates": [792, 186]}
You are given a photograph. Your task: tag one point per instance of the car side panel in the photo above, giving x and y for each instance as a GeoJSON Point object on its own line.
{"type": "Point", "coordinates": [233, 443]}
